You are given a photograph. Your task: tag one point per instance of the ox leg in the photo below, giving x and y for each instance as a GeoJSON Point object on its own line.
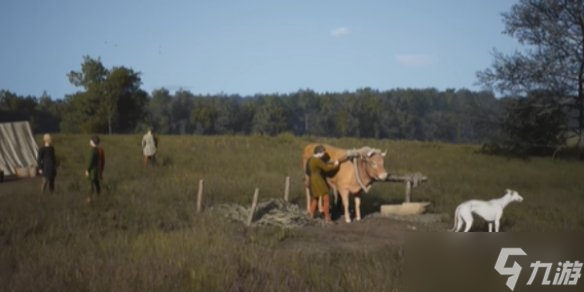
{"type": "Point", "coordinates": [358, 208]}
{"type": "Point", "coordinates": [334, 199]}
{"type": "Point", "coordinates": [307, 191]}
{"type": "Point", "coordinates": [307, 200]}
{"type": "Point", "coordinates": [320, 200]}
{"type": "Point", "coordinates": [345, 198]}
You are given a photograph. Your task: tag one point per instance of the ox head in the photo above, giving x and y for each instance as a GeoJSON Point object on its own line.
{"type": "Point", "coordinates": [375, 164]}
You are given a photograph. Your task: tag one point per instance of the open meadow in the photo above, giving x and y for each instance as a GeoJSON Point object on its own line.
{"type": "Point", "coordinates": [143, 232]}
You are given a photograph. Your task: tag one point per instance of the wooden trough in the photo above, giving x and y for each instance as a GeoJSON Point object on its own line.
{"type": "Point", "coordinates": [415, 208]}
{"type": "Point", "coordinates": [408, 207]}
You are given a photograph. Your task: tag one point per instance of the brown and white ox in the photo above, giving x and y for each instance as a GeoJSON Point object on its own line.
{"type": "Point", "coordinates": [353, 176]}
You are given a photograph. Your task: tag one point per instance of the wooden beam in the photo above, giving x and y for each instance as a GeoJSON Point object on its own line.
{"type": "Point", "coordinates": [411, 181]}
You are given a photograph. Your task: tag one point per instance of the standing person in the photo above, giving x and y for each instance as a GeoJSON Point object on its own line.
{"type": "Point", "coordinates": [149, 144]}
{"type": "Point", "coordinates": [47, 163]}
{"type": "Point", "coordinates": [317, 169]}
{"type": "Point", "coordinates": [95, 166]}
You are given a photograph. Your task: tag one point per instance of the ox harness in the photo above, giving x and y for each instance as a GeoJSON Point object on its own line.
{"type": "Point", "coordinates": [358, 174]}
{"type": "Point", "coordinates": [355, 162]}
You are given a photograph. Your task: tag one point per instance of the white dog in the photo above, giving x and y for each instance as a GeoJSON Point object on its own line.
{"type": "Point", "coordinates": [491, 211]}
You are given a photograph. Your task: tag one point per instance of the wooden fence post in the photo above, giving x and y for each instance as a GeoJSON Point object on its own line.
{"type": "Point", "coordinates": [287, 189]}
{"type": "Point", "coordinates": [408, 191]}
{"type": "Point", "coordinates": [200, 196]}
{"type": "Point", "coordinates": [253, 206]}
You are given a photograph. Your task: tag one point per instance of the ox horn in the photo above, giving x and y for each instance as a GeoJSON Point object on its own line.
{"type": "Point", "coordinates": [370, 153]}
{"type": "Point", "coordinates": [384, 153]}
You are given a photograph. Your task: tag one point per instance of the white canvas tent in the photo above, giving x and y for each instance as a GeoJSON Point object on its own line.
{"type": "Point", "coordinates": [18, 148]}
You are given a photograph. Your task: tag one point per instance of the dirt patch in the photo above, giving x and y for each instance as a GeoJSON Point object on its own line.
{"type": "Point", "coordinates": [368, 234]}
{"type": "Point", "coordinates": [373, 233]}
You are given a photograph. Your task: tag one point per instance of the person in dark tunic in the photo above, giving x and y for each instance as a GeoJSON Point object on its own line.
{"type": "Point", "coordinates": [95, 166]}
{"type": "Point", "coordinates": [47, 163]}
{"type": "Point", "coordinates": [317, 168]}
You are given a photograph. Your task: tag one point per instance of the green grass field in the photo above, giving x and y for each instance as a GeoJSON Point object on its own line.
{"type": "Point", "coordinates": [143, 232]}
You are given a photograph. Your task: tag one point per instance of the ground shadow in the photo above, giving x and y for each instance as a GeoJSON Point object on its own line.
{"type": "Point", "coordinates": [370, 204]}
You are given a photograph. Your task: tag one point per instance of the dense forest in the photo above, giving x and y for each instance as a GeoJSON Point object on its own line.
{"type": "Point", "coordinates": [111, 101]}
{"type": "Point", "coordinates": [413, 114]}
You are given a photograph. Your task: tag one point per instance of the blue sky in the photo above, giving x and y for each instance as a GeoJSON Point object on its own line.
{"type": "Point", "coordinates": [253, 46]}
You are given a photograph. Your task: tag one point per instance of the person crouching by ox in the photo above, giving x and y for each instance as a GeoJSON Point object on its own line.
{"type": "Point", "coordinates": [47, 163]}
{"type": "Point", "coordinates": [317, 169]}
{"type": "Point", "coordinates": [95, 166]}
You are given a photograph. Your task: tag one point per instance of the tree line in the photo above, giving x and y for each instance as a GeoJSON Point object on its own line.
{"type": "Point", "coordinates": [111, 101]}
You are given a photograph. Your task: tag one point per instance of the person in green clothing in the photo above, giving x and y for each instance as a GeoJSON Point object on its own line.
{"type": "Point", "coordinates": [96, 163]}
{"type": "Point", "coordinates": [317, 167]}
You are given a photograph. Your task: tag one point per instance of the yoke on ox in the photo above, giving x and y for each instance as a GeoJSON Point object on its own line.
{"type": "Point", "coordinates": [352, 177]}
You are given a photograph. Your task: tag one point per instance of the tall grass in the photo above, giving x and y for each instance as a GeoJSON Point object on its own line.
{"type": "Point", "coordinates": [143, 233]}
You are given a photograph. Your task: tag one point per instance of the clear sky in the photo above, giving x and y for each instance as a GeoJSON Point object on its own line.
{"type": "Point", "coordinates": [253, 46]}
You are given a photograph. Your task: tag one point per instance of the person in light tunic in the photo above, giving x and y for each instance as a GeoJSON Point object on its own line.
{"type": "Point", "coordinates": [149, 145]}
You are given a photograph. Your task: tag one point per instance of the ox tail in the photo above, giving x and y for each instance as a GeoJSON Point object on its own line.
{"type": "Point", "coordinates": [456, 215]}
